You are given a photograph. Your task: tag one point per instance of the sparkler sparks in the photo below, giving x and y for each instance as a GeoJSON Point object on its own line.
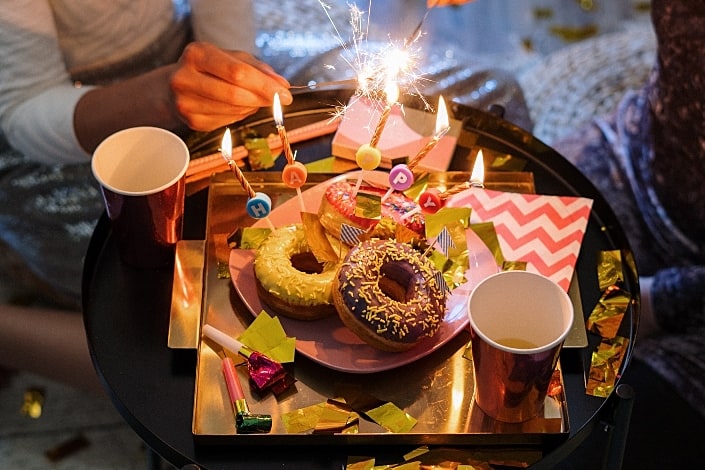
{"type": "Point", "coordinates": [396, 61]}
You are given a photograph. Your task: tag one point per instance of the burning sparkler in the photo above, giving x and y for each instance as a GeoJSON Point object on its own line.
{"type": "Point", "coordinates": [395, 62]}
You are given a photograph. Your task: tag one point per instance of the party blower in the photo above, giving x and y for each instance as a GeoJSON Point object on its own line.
{"type": "Point", "coordinates": [265, 373]}
{"type": "Point", "coordinates": [245, 422]}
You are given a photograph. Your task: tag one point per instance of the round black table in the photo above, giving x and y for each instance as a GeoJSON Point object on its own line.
{"type": "Point", "coordinates": [126, 314]}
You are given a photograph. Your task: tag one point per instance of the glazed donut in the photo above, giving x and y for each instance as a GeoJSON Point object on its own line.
{"type": "Point", "coordinates": [289, 279]}
{"type": "Point", "coordinates": [386, 293]}
{"type": "Point", "coordinates": [338, 207]}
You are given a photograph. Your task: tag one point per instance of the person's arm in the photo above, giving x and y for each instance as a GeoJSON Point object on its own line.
{"type": "Point", "coordinates": [37, 96]}
{"type": "Point", "coordinates": [206, 89]}
{"type": "Point", "coordinates": [212, 21]}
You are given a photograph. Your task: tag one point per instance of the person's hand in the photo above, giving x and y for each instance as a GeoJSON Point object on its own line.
{"type": "Point", "coordinates": [212, 87]}
{"type": "Point", "coordinates": [443, 3]}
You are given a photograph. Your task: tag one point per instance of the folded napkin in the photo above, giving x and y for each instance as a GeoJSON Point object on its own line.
{"type": "Point", "coordinates": [544, 231]}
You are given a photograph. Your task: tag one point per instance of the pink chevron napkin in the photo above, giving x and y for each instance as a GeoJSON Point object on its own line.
{"type": "Point", "coordinates": [544, 231]}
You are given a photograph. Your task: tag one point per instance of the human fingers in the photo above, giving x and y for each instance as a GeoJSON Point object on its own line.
{"type": "Point", "coordinates": [211, 81]}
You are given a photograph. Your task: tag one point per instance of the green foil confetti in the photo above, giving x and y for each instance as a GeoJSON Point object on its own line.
{"type": "Point", "coordinates": [368, 206]}
{"type": "Point", "coordinates": [505, 162]}
{"type": "Point", "coordinates": [267, 336]}
{"type": "Point", "coordinates": [448, 216]}
{"type": "Point", "coordinates": [258, 152]}
{"type": "Point", "coordinates": [392, 418]}
{"type": "Point", "coordinates": [303, 419]}
{"type": "Point", "coordinates": [248, 238]}
{"type": "Point", "coordinates": [418, 452]}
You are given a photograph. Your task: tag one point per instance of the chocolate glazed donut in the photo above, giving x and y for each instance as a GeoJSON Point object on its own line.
{"type": "Point", "coordinates": [387, 294]}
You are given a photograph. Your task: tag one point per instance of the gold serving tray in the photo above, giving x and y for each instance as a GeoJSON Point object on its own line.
{"type": "Point", "coordinates": [437, 390]}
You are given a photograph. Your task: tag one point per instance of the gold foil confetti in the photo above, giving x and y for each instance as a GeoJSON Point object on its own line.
{"type": "Point", "coordinates": [33, 402]}
{"type": "Point", "coordinates": [317, 240]}
{"type": "Point", "coordinates": [404, 235]}
{"type": "Point", "coordinates": [222, 270]}
{"type": "Point", "coordinates": [488, 235]}
{"type": "Point", "coordinates": [418, 452]}
{"type": "Point", "coordinates": [467, 354]}
{"type": "Point", "coordinates": [332, 416]}
{"type": "Point", "coordinates": [609, 269]}
{"type": "Point", "coordinates": [604, 366]}
{"type": "Point", "coordinates": [360, 463]}
{"type": "Point", "coordinates": [514, 266]}
{"type": "Point", "coordinates": [337, 417]}
{"type": "Point", "coordinates": [607, 315]}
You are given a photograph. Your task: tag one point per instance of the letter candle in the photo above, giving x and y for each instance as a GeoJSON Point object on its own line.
{"type": "Point", "coordinates": [294, 173]}
{"type": "Point", "coordinates": [281, 130]}
{"type": "Point", "coordinates": [263, 371]}
{"type": "Point", "coordinates": [432, 200]}
{"type": "Point", "coordinates": [259, 205]}
{"type": "Point", "coordinates": [401, 177]}
{"type": "Point", "coordinates": [368, 156]}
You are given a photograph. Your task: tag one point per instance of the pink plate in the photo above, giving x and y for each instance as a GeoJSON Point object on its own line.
{"type": "Point", "coordinates": [328, 341]}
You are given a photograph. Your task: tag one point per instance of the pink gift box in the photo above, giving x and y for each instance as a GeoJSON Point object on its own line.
{"type": "Point", "coordinates": [407, 131]}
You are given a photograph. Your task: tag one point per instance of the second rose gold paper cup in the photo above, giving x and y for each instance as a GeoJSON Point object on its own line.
{"type": "Point", "coordinates": [518, 322]}
{"type": "Point", "coordinates": [141, 173]}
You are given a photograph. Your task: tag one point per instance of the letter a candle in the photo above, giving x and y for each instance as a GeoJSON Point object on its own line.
{"type": "Point", "coordinates": [294, 173]}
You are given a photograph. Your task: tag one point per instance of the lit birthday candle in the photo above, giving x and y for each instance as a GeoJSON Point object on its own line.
{"type": "Point", "coordinates": [259, 205]}
{"type": "Point", "coordinates": [294, 173]}
{"type": "Point", "coordinates": [432, 200]}
{"type": "Point", "coordinates": [401, 177]}
{"type": "Point", "coordinates": [368, 156]}
{"type": "Point", "coordinates": [477, 177]}
{"type": "Point", "coordinates": [281, 130]}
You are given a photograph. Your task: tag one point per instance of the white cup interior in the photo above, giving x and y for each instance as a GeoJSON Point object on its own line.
{"type": "Point", "coordinates": [520, 305]}
{"type": "Point", "coordinates": [140, 160]}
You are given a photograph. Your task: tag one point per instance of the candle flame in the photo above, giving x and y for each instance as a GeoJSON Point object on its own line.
{"type": "Point", "coordinates": [442, 122]}
{"type": "Point", "coordinates": [478, 170]}
{"type": "Point", "coordinates": [277, 110]}
{"type": "Point", "coordinates": [226, 146]}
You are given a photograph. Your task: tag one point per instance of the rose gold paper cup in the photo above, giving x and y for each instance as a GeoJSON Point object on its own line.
{"type": "Point", "coordinates": [518, 322]}
{"type": "Point", "coordinates": [141, 172]}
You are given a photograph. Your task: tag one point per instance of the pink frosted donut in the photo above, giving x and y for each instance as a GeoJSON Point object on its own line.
{"type": "Point", "coordinates": [338, 207]}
